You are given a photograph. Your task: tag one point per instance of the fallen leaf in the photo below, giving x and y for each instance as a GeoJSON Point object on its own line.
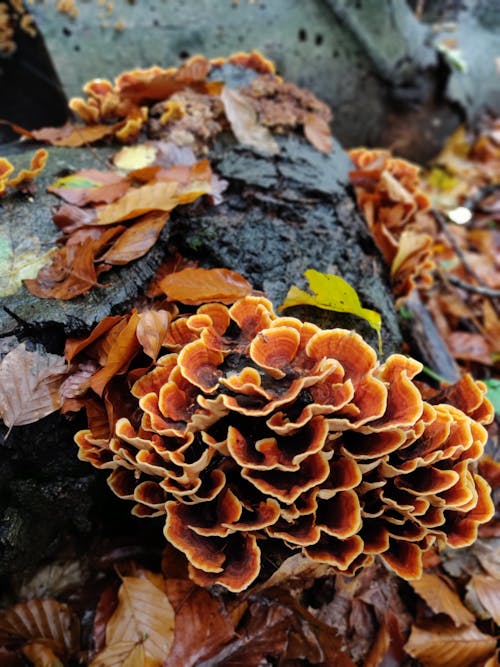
{"type": "Point", "coordinates": [202, 625]}
{"type": "Point", "coordinates": [43, 619]}
{"type": "Point", "coordinates": [244, 122]}
{"type": "Point", "coordinates": [295, 568]}
{"type": "Point", "coordinates": [42, 654]}
{"type": "Point", "coordinates": [145, 617]}
{"type": "Point", "coordinates": [29, 385]}
{"type": "Point", "coordinates": [136, 240]}
{"type": "Point", "coordinates": [469, 346]}
{"type": "Point", "coordinates": [387, 650]}
{"type": "Point", "coordinates": [154, 197]}
{"type": "Point", "coordinates": [18, 262]}
{"type": "Point", "coordinates": [124, 349]}
{"type": "Point", "coordinates": [135, 157]}
{"type": "Point", "coordinates": [76, 345]}
{"type": "Point", "coordinates": [317, 131]}
{"type": "Point", "coordinates": [53, 579]}
{"type": "Point", "coordinates": [441, 598]}
{"type": "Point", "coordinates": [487, 589]}
{"type": "Point", "coordinates": [124, 654]}
{"type": "Point", "coordinates": [332, 293]}
{"type": "Point", "coordinates": [73, 136]}
{"type": "Point", "coordinates": [440, 644]}
{"type": "Point", "coordinates": [90, 186]}
{"type": "Point", "coordinates": [151, 331]}
{"type": "Point", "coordinates": [194, 286]}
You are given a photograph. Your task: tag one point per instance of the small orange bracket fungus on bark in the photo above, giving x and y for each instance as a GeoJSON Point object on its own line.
{"type": "Point", "coordinates": [251, 426]}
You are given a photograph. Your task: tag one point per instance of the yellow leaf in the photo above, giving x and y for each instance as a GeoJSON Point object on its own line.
{"type": "Point", "coordinates": [135, 157]}
{"type": "Point", "coordinates": [332, 293]}
{"type": "Point", "coordinates": [144, 616]}
{"type": "Point", "coordinates": [19, 259]}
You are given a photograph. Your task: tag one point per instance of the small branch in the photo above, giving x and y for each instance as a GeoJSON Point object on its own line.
{"type": "Point", "coordinates": [443, 226]}
{"type": "Point", "coordinates": [477, 289]}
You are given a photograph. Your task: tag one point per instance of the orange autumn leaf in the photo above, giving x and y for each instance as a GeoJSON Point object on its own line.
{"type": "Point", "coordinates": [73, 136]}
{"type": "Point", "coordinates": [90, 186]}
{"type": "Point", "coordinates": [440, 644]}
{"type": "Point", "coordinates": [197, 286]}
{"type": "Point", "coordinates": [121, 354]}
{"type": "Point", "coordinates": [469, 346]}
{"type": "Point", "coordinates": [151, 331]}
{"type": "Point", "coordinates": [136, 240]}
{"type": "Point", "coordinates": [441, 598]}
{"type": "Point", "coordinates": [76, 345]}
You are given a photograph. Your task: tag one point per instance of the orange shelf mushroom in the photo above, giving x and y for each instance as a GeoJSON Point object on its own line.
{"type": "Point", "coordinates": [253, 426]}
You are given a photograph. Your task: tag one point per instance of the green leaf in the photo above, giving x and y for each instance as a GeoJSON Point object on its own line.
{"type": "Point", "coordinates": [75, 181]}
{"type": "Point", "coordinates": [493, 393]}
{"type": "Point", "coordinates": [333, 293]}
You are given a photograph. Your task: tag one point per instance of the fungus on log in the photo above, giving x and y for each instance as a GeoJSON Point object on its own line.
{"type": "Point", "coordinates": [254, 426]}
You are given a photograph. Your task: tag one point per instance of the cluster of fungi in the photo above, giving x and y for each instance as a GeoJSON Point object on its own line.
{"type": "Point", "coordinates": [254, 427]}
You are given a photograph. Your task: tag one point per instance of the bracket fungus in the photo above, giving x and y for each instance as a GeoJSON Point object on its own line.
{"type": "Point", "coordinates": [252, 427]}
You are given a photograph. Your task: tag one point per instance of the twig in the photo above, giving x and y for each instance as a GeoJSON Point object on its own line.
{"type": "Point", "coordinates": [443, 225]}
{"type": "Point", "coordinates": [478, 289]}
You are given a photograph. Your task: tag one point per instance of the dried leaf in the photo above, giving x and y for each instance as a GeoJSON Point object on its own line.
{"type": "Point", "coordinates": [151, 331]}
{"type": "Point", "coordinates": [136, 240]}
{"type": "Point", "coordinates": [469, 346]}
{"type": "Point", "coordinates": [297, 567]}
{"type": "Point", "coordinates": [440, 644]}
{"type": "Point", "coordinates": [196, 286]}
{"type": "Point", "coordinates": [387, 650]}
{"type": "Point", "coordinates": [135, 157]}
{"type": "Point", "coordinates": [317, 131]}
{"type": "Point", "coordinates": [144, 616]}
{"type": "Point", "coordinates": [124, 654]}
{"type": "Point", "coordinates": [41, 654]}
{"type": "Point", "coordinates": [76, 345]}
{"type": "Point", "coordinates": [53, 579]}
{"type": "Point", "coordinates": [488, 591]}
{"type": "Point", "coordinates": [202, 625]}
{"type": "Point", "coordinates": [90, 186]}
{"type": "Point", "coordinates": [153, 197]}
{"type": "Point", "coordinates": [332, 293]}
{"type": "Point", "coordinates": [42, 619]}
{"type": "Point", "coordinates": [124, 349]}
{"type": "Point", "coordinates": [244, 122]}
{"type": "Point", "coordinates": [29, 385]}
{"type": "Point", "coordinates": [74, 135]}
{"type": "Point", "coordinates": [19, 261]}
{"type": "Point", "coordinates": [441, 598]}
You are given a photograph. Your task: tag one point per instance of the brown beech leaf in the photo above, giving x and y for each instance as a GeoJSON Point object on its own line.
{"type": "Point", "coordinates": [296, 568]}
{"type": "Point", "coordinates": [440, 644]}
{"type": "Point", "coordinates": [387, 650]}
{"type": "Point", "coordinates": [90, 186]}
{"type": "Point", "coordinates": [76, 345]}
{"type": "Point", "coordinates": [124, 654]}
{"type": "Point", "coordinates": [43, 619]}
{"type": "Point", "coordinates": [136, 240]}
{"type": "Point", "coordinates": [144, 616]}
{"type": "Point", "coordinates": [161, 196]}
{"type": "Point", "coordinates": [151, 331]}
{"type": "Point", "coordinates": [42, 653]}
{"type": "Point", "coordinates": [196, 286]}
{"type": "Point", "coordinates": [106, 607]}
{"type": "Point", "coordinates": [318, 133]}
{"type": "Point", "coordinates": [73, 136]}
{"type": "Point", "coordinates": [202, 625]}
{"type": "Point", "coordinates": [441, 598]}
{"type": "Point", "coordinates": [487, 590]}
{"type": "Point", "coordinates": [29, 385]}
{"type": "Point", "coordinates": [124, 349]}
{"type": "Point", "coordinates": [245, 125]}
{"type": "Point", "coordinates": [469, 346]}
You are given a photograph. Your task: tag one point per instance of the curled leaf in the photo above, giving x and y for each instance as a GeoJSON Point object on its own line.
{"type": "Point", "coordinates": [136, 240]}
{"type": "Point", "coordinates": [332, 293]}
{"type": "Point", "coordinates": [244, 122]}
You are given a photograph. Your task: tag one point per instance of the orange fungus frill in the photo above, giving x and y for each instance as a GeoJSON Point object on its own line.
{"type": "Point", "coordinates": [253, 426]}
